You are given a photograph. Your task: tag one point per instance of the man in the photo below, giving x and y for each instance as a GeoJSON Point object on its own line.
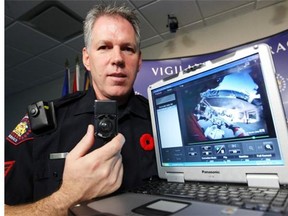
{"type": "Point", "coordinates": [112, 54]}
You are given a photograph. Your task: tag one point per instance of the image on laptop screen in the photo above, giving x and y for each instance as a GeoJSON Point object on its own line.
{"type": "Point", "coordinates": [218, 117]}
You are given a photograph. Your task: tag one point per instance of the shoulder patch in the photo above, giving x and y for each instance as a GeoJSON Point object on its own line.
{"type": "Point", "coordinates": [21, 133]}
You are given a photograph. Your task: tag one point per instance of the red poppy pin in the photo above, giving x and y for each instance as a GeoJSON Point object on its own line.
{"type": "Point", "coordinates": [147, 142]}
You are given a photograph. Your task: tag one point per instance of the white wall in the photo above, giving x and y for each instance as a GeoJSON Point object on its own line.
{"type": "Point", "coordinates": [229, 33]}
{"type": "Point", "coordinates": [226, 34]}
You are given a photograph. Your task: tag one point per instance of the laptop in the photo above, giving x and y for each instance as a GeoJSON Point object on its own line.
{"type": "Point", "coordinates": [220, 123]}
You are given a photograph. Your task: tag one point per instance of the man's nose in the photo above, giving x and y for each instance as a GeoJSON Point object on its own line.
{"type": "Point", "coordinates": [118, 57]}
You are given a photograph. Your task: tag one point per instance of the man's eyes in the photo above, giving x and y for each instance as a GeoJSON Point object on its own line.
{"type": "Point", "coordinates": [102, 47]}
{"type": "Point", "coordinates": [129, 49]}
{"type": "Point", "coordinates": [125, 48]}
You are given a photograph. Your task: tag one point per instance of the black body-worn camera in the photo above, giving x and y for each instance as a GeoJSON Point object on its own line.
{"type": "Point", "coordinates": [42, 117]}
{"type": "Point", "coordinates": [106, 119]}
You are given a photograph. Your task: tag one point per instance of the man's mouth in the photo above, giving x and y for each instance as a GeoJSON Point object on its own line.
{"type": "Point", "coordinates": [117, 77]}
{"type": "Point", "coordinates": [120, 75]}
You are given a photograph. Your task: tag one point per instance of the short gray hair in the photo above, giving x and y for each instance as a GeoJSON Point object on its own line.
{"type": "Point", "coordinates": [110, 10]}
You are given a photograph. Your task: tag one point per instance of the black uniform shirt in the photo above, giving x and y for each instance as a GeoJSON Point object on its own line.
{"type": "Point", "coordinates": [31, 175]}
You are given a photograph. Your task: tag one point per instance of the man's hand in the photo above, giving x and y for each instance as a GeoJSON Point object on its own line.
{"type": "Point", "coordinates": [86, 176]}
{"type": "Point", "coordinates": [94, 174]}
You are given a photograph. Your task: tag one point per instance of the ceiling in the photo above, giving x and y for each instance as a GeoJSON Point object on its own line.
{"type": "Point", "coordinates": [41, 35]}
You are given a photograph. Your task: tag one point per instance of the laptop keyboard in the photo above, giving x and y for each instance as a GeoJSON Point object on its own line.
{"type": "Point", "coordinates": [262, 199]}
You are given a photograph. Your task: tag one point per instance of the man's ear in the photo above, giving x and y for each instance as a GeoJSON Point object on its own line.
{"type": "Point", "coordinates": [85, 58]}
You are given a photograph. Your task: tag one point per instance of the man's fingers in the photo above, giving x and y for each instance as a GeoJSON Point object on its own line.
{"type": "Point", "coordinates": [84, 145]}
{"type": "Point", "coordinates": [106, 152]}
{"type": "Point", "coordinates": [110, 149]}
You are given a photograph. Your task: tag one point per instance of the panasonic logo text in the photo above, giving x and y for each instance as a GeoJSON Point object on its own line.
{"type": "Point", "coordinates": [210, 172]}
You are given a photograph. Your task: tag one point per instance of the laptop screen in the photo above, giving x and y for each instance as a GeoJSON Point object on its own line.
{"type": "Point", "coordinates": [218, 117]}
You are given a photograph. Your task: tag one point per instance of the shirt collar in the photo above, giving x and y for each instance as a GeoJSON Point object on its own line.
{"type": "Point", "coordinates": [134, 105]}
{"type": "Point", "coordinates": [86, 103]}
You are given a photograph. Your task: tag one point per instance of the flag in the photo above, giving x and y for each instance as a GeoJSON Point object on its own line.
{"type": "Point", "coordinates": [76, 76]}
{"type": "Point", "coordinates": [66, 83]}
{"type": "Point", "coordinates": [87, 80]}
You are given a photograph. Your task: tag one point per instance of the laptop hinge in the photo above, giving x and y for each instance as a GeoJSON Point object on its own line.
{"type": "Point", "coordinates": [263, 180]}
{"type": "Point", "coordinates": [175, 177]}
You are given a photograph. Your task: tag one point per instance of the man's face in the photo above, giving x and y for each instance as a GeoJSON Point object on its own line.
{"type": "Point", "coordinates": [113, 57]}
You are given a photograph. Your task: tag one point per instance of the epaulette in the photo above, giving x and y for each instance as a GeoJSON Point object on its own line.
{"type": "Point", "coordinates": [42, 114]}
{"type": "Point", "coordinates": [70, 98]}
{"type": "Point", "coordinates": [43, 120]}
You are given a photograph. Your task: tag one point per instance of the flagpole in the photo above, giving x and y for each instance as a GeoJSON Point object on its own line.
{"type": "Point", "coordinates": [66, 82]}
{"type": "Point", "coordinates": [76, 76]}
{"type": "Point", "coordinates": [87, 80]}
{"type": "Point", "coordinates": [68, 75]}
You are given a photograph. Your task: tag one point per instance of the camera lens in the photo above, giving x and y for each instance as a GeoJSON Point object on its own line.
{"type": "Point", "coordinates": [34, 111]}
{"type": "Point", "coordinates": [105, 125]}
